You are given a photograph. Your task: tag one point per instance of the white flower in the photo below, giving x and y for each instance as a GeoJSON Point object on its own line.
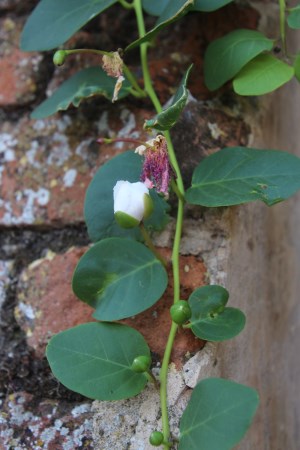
{"type": "Point", "coordinates": [132, 203]}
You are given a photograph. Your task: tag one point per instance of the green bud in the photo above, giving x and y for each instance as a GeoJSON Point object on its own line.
{"type": "Point", "coordinates": [59, 57]}
{"type": "Point", "coordinates": [141, 364]}
{"type": "Point", "coordinates": [125, 220]}
{"type": "Point", "coordinates": [156, 438]}
{"type": "Point", "coordinates": [181, 312]}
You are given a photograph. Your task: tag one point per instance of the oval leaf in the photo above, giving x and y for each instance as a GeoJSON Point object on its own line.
{"type": "Point", "coordinates": [155, 8]}
{"type": "Point", "coordinates": [119, 278]}
{"type": "Point", "coordinates": [262, 75]}
{"type": "Point", "coordinates": [238, 175]}
{"type": "Point", "coordinates": [169, 116]}
{"type": "Point", "coordinates": [226, 56]}
{"type": "Point", "coordinates": [53, 22]}
{"type": "Point", "coordinates": [293, 18]}
{"type": "Point", "coordinates": [218, 415]}
{"type": "Point", "coordinates": [173, 11]}
{"type": "Point", "coordinates": [95, 360]}
{"type": "Point", "coordinates": [210, 319]}
{"type": "Point", "coordinates": [209, 5]}
{"type": "Point", "coordinates": [99, 208]}
{"type": "Point", "coordinates": [86, 83]}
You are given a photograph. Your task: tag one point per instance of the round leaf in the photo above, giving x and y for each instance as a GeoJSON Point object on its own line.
{"type": "Point", "coordinates": [238, 175]}
{"type": "Point", "coordinates": [210, 319]}
{"type": "Point", "coordinates": [217, 416]}
{"type": "Point", "coordinates": [262, 75]}
{"type": "Point", "coordinates": [119, 278]}
{"type": "Point", "coordinates": [99, 207]}
{"type": "Point", "coordinates": [226, 56]}
{"type": "Point", "coordinates": [94, 359]}
{"type": "Point", "coordinates": [53, 22]}
{"type": "Point", "coordinates": [293, 19]}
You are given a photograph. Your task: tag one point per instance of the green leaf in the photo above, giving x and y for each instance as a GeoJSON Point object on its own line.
{"type": "Point", "coordinates": [86, 83]}
{"type": "Point", "coordinates": [119, 278]}
{"type": "Point", "coordinates": [238, 175]}
{"type": "Point", "coordinates": [99, 208]}
{"type": "Point", "coordinates": [262, 75]}
{"type": "Point", "coordinates": [226, 56]}
{"type": "Point", "coordinates": [53, 22]}
{"type": "Point", "coordinates": [169, 116]}
{"type": "Point", "coordinates": [210, 319]}
{"type": "Point", "coordinates": [155, 8]}
{"type": "Point", "coordinates": [95, 360]}
{"type": "Point", "coordinates": [209, 5]}
{"type": "Point", "coordinates": [293, 18]}
{"type": "Point", "coordinates": [174, 11]}
{"type": "Point", "coordinates": [217, 416]}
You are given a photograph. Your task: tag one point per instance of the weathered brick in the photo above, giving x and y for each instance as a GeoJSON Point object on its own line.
{"type": "Point", "coordinates": [48, 164]}
{"type": "Point", "coordinates": [46, 303]}
{"type": "Point", "coordinates": [5, 269]}
{"type": "Point", "coordinates": [27, 423]}
{"type": "Point", "coordinates": [19, 71]}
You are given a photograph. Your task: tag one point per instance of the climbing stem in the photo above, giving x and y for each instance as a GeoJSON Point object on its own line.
{"type": "Point", "coordinates": [143, 49]}
{"type": "Point", "coordinates": [163, 384]}
{"type": "Point", "coordinates": [179, 190]}
{"type": "Point", "coordinates": [282, 10]}
{"type": "Point", "coordinates": [126, 4]}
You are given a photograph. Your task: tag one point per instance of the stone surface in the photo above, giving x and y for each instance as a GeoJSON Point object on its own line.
{"type": "Point", "coordinates": [5, 269]}
{"type": "Point", "coordinates": [19, 72]}
{"type": "Point", "coordinates": [46, 303]}
{"type": "Point", "coordinates": [27, 423]}
{"type": "Point", "coordinates": [46, 165]}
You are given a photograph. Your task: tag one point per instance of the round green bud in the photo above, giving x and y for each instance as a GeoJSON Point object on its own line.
{"type": "Point", "coordinates": [180, 312]}
{"type": "Point", "coordinates": [141, 364]}
{"type": "Point", "coordinates": [156, 438]}
{"type": "Point", "coordinates": [59, 57]}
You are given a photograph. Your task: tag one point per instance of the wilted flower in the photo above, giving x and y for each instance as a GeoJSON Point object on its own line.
{"type": "Point", "coordinates": [132, 203]}
{"type": "Point", "coordinates": [157, 171]}
{"type": "Point", "coordinates": [113, 66]}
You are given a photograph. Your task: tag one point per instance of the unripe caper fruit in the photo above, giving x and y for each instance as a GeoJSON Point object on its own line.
{"type": "Point", "coordinates": [156, 438]}
{"type": "Point", "coordinates": [180, 312]}
{"type": "Point", "coordinates": [141, 364]}
{"type": "Point", "coordinates": [59, 57]}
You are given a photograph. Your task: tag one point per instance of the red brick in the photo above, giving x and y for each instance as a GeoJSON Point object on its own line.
{"type": "Point", "coordinates": [48, 164]}
{"type": "Point", "coordinates": [46, 303]}
{"type": "Point", "coordinates": [19, 71]}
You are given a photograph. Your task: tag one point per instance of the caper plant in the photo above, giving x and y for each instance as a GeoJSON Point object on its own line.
{"type": "Point", "coordinates": [123, 274]}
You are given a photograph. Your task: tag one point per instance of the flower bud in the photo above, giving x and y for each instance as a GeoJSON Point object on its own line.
{"type": "Point", "coordinates": [180, 312]}
{"type": "Point", "coordinates": [132, 203]}
{"type": "Point", "coordinates": [59, 57]}
{"type": "Point", "coordinates": [141, 364]}
{"type": "Point", "coordinates": [156, 438]}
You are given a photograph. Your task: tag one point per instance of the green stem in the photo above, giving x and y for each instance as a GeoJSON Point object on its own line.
{"type": "Point", "coordinates": [87, 50]}
{"type": "Point", "coordinates": [152, 379]}
{"type": "Point", "coordinates": [126, 4]}
{"type": "Point", "coordinates": [179, 189]}
{"type": "Point", "coordinates": [150, 245]}
{"type": "Point", "coordinates": [163, 376]}
{"type": "Point", "coordinates": [143, 49]}
{"type": "Point", "coordinates": [131, 78]}
{"type": "Point", "coordinates": [282, 9]}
